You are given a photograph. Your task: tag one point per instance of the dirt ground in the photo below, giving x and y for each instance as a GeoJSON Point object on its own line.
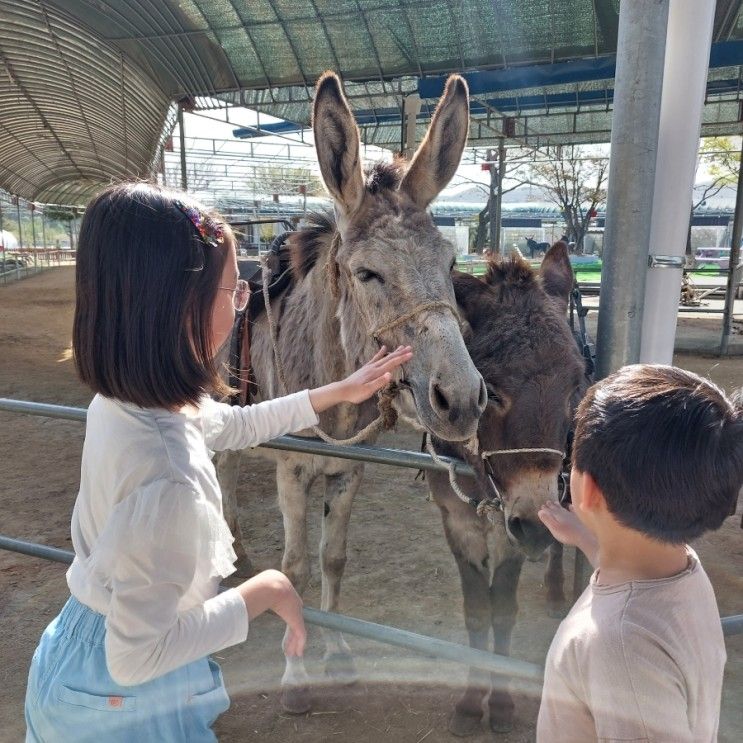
{"type": "Point", "coordinates": [399, 570]}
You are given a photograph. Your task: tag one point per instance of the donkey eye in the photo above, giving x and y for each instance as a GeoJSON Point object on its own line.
{"type": "Point", "coordinates": [364, 275]}
{"type": "Point", "coordinates": [496, 399]}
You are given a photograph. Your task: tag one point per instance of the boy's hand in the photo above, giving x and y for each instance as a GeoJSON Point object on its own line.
{"type": "Point", "coordinates": [567, 528]}
{"type": "Point", "coordinates": [364, 382]}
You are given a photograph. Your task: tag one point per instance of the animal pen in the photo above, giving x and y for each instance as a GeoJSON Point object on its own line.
{"type": "Point", "coordinates": [429, 646]}
{"type": "Point", "coordinates": [651, 78]}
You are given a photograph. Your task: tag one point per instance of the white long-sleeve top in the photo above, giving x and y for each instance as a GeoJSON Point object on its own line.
{"type": "Point", "coordinates": [151, 544]}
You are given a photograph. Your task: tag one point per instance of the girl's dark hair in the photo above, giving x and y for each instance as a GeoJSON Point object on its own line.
{"type": "Point", "coordinates": [665, 447]}
{"type": "Point", "coordinates": [145, 286]}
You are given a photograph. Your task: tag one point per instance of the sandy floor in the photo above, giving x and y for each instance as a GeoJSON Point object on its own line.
{"type": "Point", "coordinates": [399, 571]}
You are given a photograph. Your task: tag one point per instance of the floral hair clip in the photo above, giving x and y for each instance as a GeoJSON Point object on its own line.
{"type": "Point", "coordinates": [210, 231]}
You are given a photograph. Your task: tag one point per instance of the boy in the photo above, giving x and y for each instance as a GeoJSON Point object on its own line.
{"type": "Point", "coordinates": [657, 461]}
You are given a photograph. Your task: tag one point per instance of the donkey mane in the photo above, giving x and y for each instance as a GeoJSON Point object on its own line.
{"type": "Point", "coordinates": [514, 272]}
{"type": "Point", "coordinates": [307, 244]}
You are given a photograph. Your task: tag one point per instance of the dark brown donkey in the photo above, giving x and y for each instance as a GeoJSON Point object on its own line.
{"type": "Point", "coordinates": [521, 343]}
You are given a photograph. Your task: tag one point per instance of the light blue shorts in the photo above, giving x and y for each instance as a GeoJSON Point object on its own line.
{"type": "Point", "coordinates": [71, 696]}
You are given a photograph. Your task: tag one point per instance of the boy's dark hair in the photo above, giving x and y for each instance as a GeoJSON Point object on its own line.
{"type": "Point", "coordinates": [145, 287]}
{"type": "Point", "coordinates": [666, 448]}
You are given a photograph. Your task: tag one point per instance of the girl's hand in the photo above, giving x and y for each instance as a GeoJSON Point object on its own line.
{"type": "Point", "coordinates": [567, 528]}
{"type": "Point", "coordinates": [364, 382]}
{"type": "Point", "coordinates": [375, 374]}
{"type": "Point", "coordinates": [273, 591]}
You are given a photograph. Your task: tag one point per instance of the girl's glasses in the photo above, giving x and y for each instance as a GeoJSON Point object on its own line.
{"type": "Point", "coordinates": [240, 294]}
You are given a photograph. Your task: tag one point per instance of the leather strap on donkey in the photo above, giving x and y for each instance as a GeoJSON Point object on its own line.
{"type": "Point", "coordinates": [241, 372]}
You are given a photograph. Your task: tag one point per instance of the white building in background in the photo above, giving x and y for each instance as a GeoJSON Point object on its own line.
{"type": "Point", "coordinates": [8, 241]}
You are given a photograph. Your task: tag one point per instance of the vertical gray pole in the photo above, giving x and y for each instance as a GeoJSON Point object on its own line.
{"type": "Point", "coordinates": [43, 229]}
{"type": "Point", "coordinates": [18, 215]}
{"type": "Point", "coordinates": [492, 210]}
{"type": "Point", "coordinates": [162, 167]}
{"type": "Point", "coordinates": [33, 233]}
{"type": "Point", "coordinates": [733, 272]}
{"type": "Point", "coordinates": [499, 196]}
{"type": "Point", "coordinates": [410, 109]}
{"type": "Point", "coordinates": [491, 201]}
{"type": "Point", "coordinates": [638, 87]}
{"type": "Point", "coordinates": [182, 139]}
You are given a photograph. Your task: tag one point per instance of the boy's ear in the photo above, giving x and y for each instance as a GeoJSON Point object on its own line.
{"type": "Point", "coordinates": [592, 498]}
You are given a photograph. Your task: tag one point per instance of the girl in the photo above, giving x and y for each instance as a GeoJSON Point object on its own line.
{"type": "Point", "coordinates": [157, 290]}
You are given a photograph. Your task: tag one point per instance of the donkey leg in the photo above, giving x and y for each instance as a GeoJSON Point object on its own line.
{"type": "Point", "coordinates": [469, 547]}
{"type": "Point", "coordinates": [340, 490]}
{"type": "Point", "coordinates": [504, 608]}
{"type": "Point", "coordinates": [227, 464]}
{"type": "Point", "coordinates": [293, 480]}
{"type": "Point", "coordinates": [554, 579]}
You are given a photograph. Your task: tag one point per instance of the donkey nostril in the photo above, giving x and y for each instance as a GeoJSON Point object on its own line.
{"type": "Point", "coordinates": [439, 399]}
{"type": "Point", "coordinates": [482, 400]}
{"type": "Point", "coordinates": [516, 528]}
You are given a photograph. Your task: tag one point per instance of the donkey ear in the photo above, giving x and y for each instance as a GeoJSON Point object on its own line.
{"type": "Point", "coordinates": [438, 156]}
{"type": "Point", "coordinates": [337, 145]}
{"type": "Point", "coordinates": [557, 273]}
{"type": "Point", "coordinates": [468, 291]}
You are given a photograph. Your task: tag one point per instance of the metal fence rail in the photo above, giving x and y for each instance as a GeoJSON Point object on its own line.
{"type": "Point", "coordinates": [430, 646]}
{"type": "Point", "coordinates": [383, 633]}
{"type": "Point", "coordinates": [375, 454]}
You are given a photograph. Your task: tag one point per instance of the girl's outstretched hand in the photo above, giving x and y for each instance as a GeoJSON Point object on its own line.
{"type": "Point", "coordinates": [364, 382]}
{"type": "Point", "coordinates": [375, 374]}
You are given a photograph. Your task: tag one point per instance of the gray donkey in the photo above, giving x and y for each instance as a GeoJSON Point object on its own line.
{"type": "Point", "coordinates": [379, 272]}
{"type": "Point", "coordinates": [521, 343]}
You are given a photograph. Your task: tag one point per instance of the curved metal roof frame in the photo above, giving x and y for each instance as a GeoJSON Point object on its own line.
{"type": "Point", "coordinates": [75, 111]}
{"type": "Point", "coordinates": [87, 86]}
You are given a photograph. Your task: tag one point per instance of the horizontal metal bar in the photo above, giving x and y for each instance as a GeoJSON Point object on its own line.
{"type": "Point", "coordinates": [385, 634]}
{"type": "Point", "coordinates": [36, 550]}
{"type": "Point", "coordinates": [426, 645]}
{"type": "Point", "coordinates": [377, 455]}
{"type": "Point", "coordinates": [732, 625]}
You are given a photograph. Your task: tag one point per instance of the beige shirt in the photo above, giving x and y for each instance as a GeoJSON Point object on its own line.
{"type": "Point", "coordinates": [638, 661]}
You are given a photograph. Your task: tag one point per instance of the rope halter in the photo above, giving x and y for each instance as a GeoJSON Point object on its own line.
{"type": "Point", "coordinates": [492, 504]}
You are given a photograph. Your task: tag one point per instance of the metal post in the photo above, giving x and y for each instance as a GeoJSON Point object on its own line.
{"type": "Point", "coordinates": [734, 272]}
{"type": "Point", "coordinates": [688, 43]}
{"type": "Point", "coordinates": [634, 140]}
{"type": "Point", "coordinates": [499, 195]}
{"type": "Point", "coordinates": [410, 108]}
{"type": "Point", "coordinates": [182, 140]}
{"type": "Point", "coordinates": [491, 201]}
{"type": "Point", "coordinates": [20, 228]}
{"type": "Point", "coordinates": [162, 167]}
{"type": "Point", "coordinates": [638, 86]}
{"type": "Point", "coordinates": [33, 232]}
{"type": "Point", "coordinates": [43, 228]}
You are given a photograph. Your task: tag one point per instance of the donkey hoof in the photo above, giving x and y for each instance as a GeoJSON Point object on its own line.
{"type": "Point", "coordinates": [341, 668]}
{"type": "Point", "coordinates": [463, 724]}
{"type": "Point", "coordinates": [501, 725]}
{"type": "Point", "coordinates": [296, 700]}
